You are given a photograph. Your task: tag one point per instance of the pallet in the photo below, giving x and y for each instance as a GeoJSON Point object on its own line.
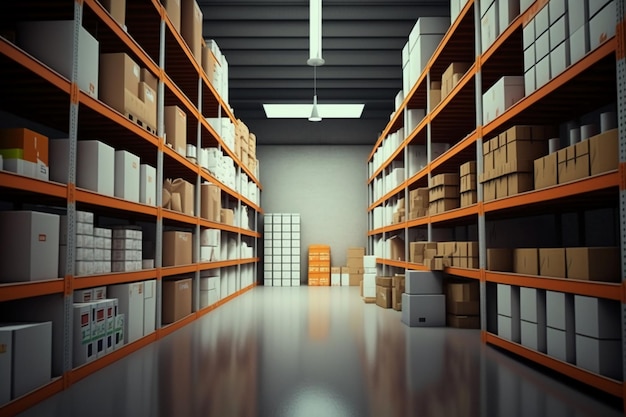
{"type": "Point", "coordinates": [140, 123]}
{"type": "Point", "coordinates": [369, 300]}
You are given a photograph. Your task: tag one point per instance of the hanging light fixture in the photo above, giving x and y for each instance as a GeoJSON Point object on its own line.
{"type": "Point", "coordinates": [315, 116]}
{"type": "Point", "coordinates": [315, 34]}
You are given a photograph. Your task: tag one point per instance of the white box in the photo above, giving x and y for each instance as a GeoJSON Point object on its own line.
{"type": "Point", "coordinates": [147, 185]}
{"type": "Point", "coordinates": [602, 25]}
{"type": "Point", "coordinates": [423, 310]}
{"type": "Point", "coordinates": [52, 43]}
{"type": "Point", "coordinates": [557, 8]}
{"type": "Point", "coordinates": [423, 282]}
{"type": "Point", "coordinates": [596, 5]}
{"type": "Point", "coordinates": [508, 10]}
{"type": "Point", "coordinates": [558, 32]}
{"type": "Point", "coordinates": [579, 44]}
{"type": "Point", "coordinates": [542, 72]}
{"type": "Point", "coordinates": [369, 261]}
{"type": "Point", "coordinates": [120, 319]}
{"type": "Point", "coordinates": [597, 317]}
{"type": "Point", "coordinates": [345, 280]}
{"type": "Point", "coordinates": [29, 353]}
{"type": "Point", "coordinates": [131, 304]}
{"type": "Point", "coordinates": [529, 81]}
{"type": "Point", "coordinates": [561, 344]}
{"type": "Point", "coordinates": [149, 307]}
{"type": "Point", "coordinates": [542, 20]}
{"type": "Point", "coordinates": [578, 14]}
{"type": "Point", "coordinates": [509, 328]}
{"type": "Point", "coordinates": [127, 177]}
{"type": "Point", "coordinates": [489, 26]}
{"type": "Point", "coordinates": [542, 46]}
{"type": "Point", "coordinates": [335, 279]}
{"type": "Point", "coordinates": [560, 310]}
{"type": "Point", "coordinates": [502, 95]}
{"type": "Point", "coordinates": [84, 350]}
{"type": "Point", "coordinates": [211, 237]}
{"type": "Point", "coordinates": [508, 300]}
{"type": "Point", "coordinates": [30, 246]}
{"type": "Point", "coordinates": [559, 59]}
{"type": "Point", "coordinates": [428, 26]}
{"type": "Point", "coordinates": [533, 305]}
{"type": "Point", "coordinates": [95, 167]}
{"type": "Point", "coordinates": [601, 356]}
{"type": "Point", "coordinates": [528, 35]}
{"type": "Point", "coordinates": [533, 335]}
{"type": "Point", "coordinates": [421, 53]}
{"type": "Point", "coordinates": [99, 327]}
{"type": "Point", "coordinates": [20, 166]}
{"type": "Point", "coordinates": [529, 58]}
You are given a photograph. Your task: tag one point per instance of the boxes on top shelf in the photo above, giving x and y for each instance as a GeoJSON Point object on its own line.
{"type": "Point", "coordinates": [172, 8]}
{"type": "Point", "coordinates": [191, 27]}
{"type": "Point", "coordinates": [452, 75]}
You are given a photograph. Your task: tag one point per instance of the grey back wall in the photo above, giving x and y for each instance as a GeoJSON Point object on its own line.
{"type": "Point", "coordinates": [327, 185]}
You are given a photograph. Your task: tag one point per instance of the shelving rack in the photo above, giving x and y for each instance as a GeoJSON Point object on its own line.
{"type": "Point", "coordinates": [33, 91]}
{"type": "Point", "coordinates": [458, 119]}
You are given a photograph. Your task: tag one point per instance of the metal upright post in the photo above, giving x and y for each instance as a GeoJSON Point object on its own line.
{"type": "Point", "coordinates": [160, 174]}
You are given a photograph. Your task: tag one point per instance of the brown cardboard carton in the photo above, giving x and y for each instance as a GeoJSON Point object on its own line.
{"type": "Point", "coordinates": [526, 261]}
{"type": "Point", "coordinates": [396, 299]}
{"type": "Point", "coordinates": [443, 191]}
{"type": "Point", "coordinates": [525, 150]}
{"type": "Point", "coordinates": [148, 96]}
{"type": "Point", "coordinates": [210, 202]}
{"type": "Point", "coordinates": [384, 281]}
{"type": "Point", "coordinates": [177, 248]}
{"type": "Point", "coordinates": [444, 179]}
{"type": "Point", "coordinates": [502, 187]}
{"type": "Point", "coordinates": [356, 252]}
{"type": "Point", "coordinates": [463, 291]}
{"type": "Point", "coordinates": [430, 252]}
{"type": "Point", "coordinates": [519, 183]}
{"type": "Point", "coordinates": [176, 299]}
{"type": "Point", "coordinates": [463, 322]}
{"type": "Point", "coordinates": [191, 27]}
{"type": "Point", "coordinates": [593, 264]}
{"type": "Point", "coordinates": [119, 78]}
{"type": "Point", "coordinates": [147, 77]}
{"type": "Point", "coordinates": [397, 249]}
{"type": "Point", "coordinates": [468, 183]}
{"type": "Point", "coordinates": [500, 260]}
{"type": "Point", "coordinates": [355, 263]}
{"type": "Point", "coordinates": [209, 65]}
{"type": "Point", "coordinates": [489, 190]}
{"type": "Point", "coordinates": [117, 9]}
{"type": "Point", "coordinates": [604, 152]}
{"type": "Point", "coordinates": [186, 191]}
{"type": "Point", "coordinates": [383, 296]}
{"type": "Point", "coordinates": [227, 216]}
{"type": "Point", "coordinates": [468, 198]}
{"type": "Point", "coordinates": [172, 7]}
{"type": "Point", "coordinates": [448, 81]}
{"type": "Point", "coordinates": [546, 171]}
{"type": "Point", "coordinates": [552, 263]}
{"type": "Point", "coordinates": [468, 168]}
{"type": "Point", "coordinates": [462, 307]}
{"type": "Point", "coordinates": [356, 280]}
{"type": "Point", "coordinates": [176, 128]}
{"type": "Point", "coordinates": [434, 96]}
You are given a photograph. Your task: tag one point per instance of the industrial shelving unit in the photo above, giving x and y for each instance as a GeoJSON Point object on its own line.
{"type": "Point", "coordinates": [457, 119]}
{"type": "Point", "coordinates": [32, 91]}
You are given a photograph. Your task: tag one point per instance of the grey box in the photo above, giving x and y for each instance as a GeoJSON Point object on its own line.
{"type": "Point", "coordinates": [509, 328]}
{"type": "Point", "coordinates": [423, 282]}
{"type": "Point", "coordinates": [560, 310]}
{"type": "Point", "coordinates": [533, 336]}
{"type": "Point", "coordinates": [597, 317]}
{"type": "Point", "coordinates": [508, 300]}
{"type": "Point", "coordinates": [424, 310]}
{"type": "Point", "coordinates": [602, 356]}
{"type": "Point", "coordinates": [561, 344]}
{"type": "Point", "coordinates": [533, 305]}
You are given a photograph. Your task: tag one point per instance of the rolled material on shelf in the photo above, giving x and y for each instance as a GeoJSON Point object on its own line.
{"type": "Point", "coordinates": [587, 131]}
{"type": "Point", "coordinates": [554, 145]}
{"type": "Point", "coordinates": [608, 121]}
{"type": "Point", "coordinates": [574, 136]}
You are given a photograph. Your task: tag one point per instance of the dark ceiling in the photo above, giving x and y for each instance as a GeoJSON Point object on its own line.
{"type": "Point", "coordinates": [266, 45]}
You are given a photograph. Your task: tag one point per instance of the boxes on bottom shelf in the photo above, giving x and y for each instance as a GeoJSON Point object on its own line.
{"type": "Point", "coordinates": [26, 358]}
{"type": "Point", "coordinates": [561, 344]}
{"type": "Point", "coordinates": [147, 184]}
{"type": "Point", "coordinates": [176, 300]}
{"type": "Point", "coordinates": [462, 299]}
{"type": "Point", "coordinates": [423, 310]}
{"type": "Point", "coordinates": [601, 356]}
{"type": "Point", "coordinates": [398, 288]}
{"type": "Point", "coordinates": [383, 296]}
{"type": "Point", "coordinates": [131, 301]}
{"type": "Point", "coordinates": [533, 335]}
{"type": "Point", "coordinates": [509, 328]}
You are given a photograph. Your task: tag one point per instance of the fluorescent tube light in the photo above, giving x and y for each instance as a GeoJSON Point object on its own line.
{"type": "Point", "coordinates": [303, 111]}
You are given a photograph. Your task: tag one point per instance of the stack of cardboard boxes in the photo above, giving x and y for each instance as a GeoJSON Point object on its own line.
{"type": "Point", "coordinates": [383, 292]}
{"type": "Point", "coordinates": [399, 216]}
{"type": "Point", "coordinates": [355, 265]}
{"type": "Point", "coordinates": [443, 193]}
{"type": "Point", "coordinates": [509, 160]}
{"type": "Point", "coordinates": [319, 265]}
{"type": "Point", "coordinates": [245, 146]}
{"type": "Point", "coordinates": [175, 128]}
{"type": "Point", "coordinates": [418, 203]}
{"type": "Point", "coordinates": [423, 303]}
{"type": "Point", "coordinates": [24, 152]}
{"type": "Point", "coordinates": [438, 255]}
{"type": "Point", "coordinates": [398, 288]}
{"type": "Point", "coordinates": [463, 304]}
{"type": "Point", "coordinates": [468, 186]}
{"type": "Point", "coordinates": [434, 95]}
{"type": "Point", "coordinates": [452, 76]}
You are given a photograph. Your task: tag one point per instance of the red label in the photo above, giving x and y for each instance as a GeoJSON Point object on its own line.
{"type": "Point", "coordinates": [84, 319]}
{"type": "Point", "coordinates": [42, 237]}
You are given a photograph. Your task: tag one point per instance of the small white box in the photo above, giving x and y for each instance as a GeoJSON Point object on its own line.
{"type": "Point", "coordinates": [211, 237]}
{"type": "Point", "coordinates": [597, 317]}
{"type": "Point", "coordinates": [578, 14]}
{"type": "Point", "coordinates": [601, 356]}
{"type": "Point", "coordinates": [533, 336]}
{"type": "Point", "coordinates": [542, 20]}
{"type": "Point", "coordinates": [83, 347]}
{"type": "Point", "coordinates": [84, 268]}
{"type": "Point", "coordinates": [277, 228]}
{"type": "Point", "coordinates": [131, 304]}
{"type": "Point", "coordinates": [508, 10]}
{"type": "Point", "coordinates": [95, 167]}
{"type": "Point", "coordinates": [528, 35]}
{"type": "Point", "coordinates": [423, 310]}
{"type": "Point", "coordinates": [127, 176]}
{"type": "Point", "coordinates": [533, 305]}
{"type": "Point", "coordinates": [502, 95]}
{"type": "Point", "coordinates": [484, 6]}
{"type": "Point", "coordinates": [542, 72]}
{"type": "Point", "coordinates": [428, 26]}
{"type": "Point", "coordinates": [560, 310]}
{"type": "Point", "coordinates": [29, 351]}
{"type": "Point", "coordinates": [602, 25]}
{"type": "Point", "coordinates": [561, 344]}
{"type": "Point", "coordinates": [52, 42]}
{"type": "Point", "coordinates": [559, 59]}
{"type": "Point", "coordinates": [20, 166]}
{"type": "Point", "coordinates": [557, 9]}
{"type": "Point", "coordinates": [335, 279]}
{"type": "Point", "coordinates": [579, 44]}
{"type": "Point", "coordinates": [558, 32]}
{"type": "Point", "coordinates": [369, 261]}
{"type": "Point", "coordinates": [277, 282]}
{"type": "Point", "coordinates": [596, 5]}
{"type": "Point", "coordinates": [149, 306]}
{"type": "Point", "coordinates": [542, 46]}
{"type": "Point", "coordinates": [529, 58]}
{"type": "Point", "coordinates": [30, 246]}
{"type": "Point", "coordinates": [99, 327]}
{"type": "Point", "coordinates": [509, 328]}
{"type": "Point", "coordinates": [529, 81]}
{"type": "Point", "coordinates": [508, 300]}
{"type": "Point", "coordinates": [421, 53]}
{"type": "Point", "coordinates": [489, 26]}
{"type": "Point", "coordinates": [147, 188]}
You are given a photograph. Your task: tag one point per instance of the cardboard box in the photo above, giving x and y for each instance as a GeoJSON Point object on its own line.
{"type": "Point", "coordinates": [594, 264]}
{"type": "Point", "coordinates": [148, 96]}
{"type": "Point", "coordinates": [227, 216]}
{"type": "Point", "coordinates": [396, 249]}
{"type": "Point", "coordinates": [186, 190]}
{"type": "Point", "coordinates": [177, 248]}
{"type": "Point", "coordinates": [355, 252]}
{"type": "Point", "coordinates": [597, 317]}
{"type": "Point", "coordinates": [423, 310]}
{"type": "Point", "coordinates": [95, 167]}
{"type": "Point", "coordinates": [52, 42]}
{"type": "Point", "coordinates": [573, 162]}
{"type": "Point", "coordinates": [526, 261]}
{"type": "Point", "coordinates": [423, 282]}
{"type": "Point", "coordinates": [211, 202]}
{"type": "Point", "coordinates": [120, 77]}
{"type": "Point", "coordinates": [130, 299]}
{"type": "Point", "coordinates": [176, 300]}
{"type": "Point", "coordinates": [147, 184]}
{"type": "Point", "coordinates": [600, 356]}
{"type": "Point", "coordinates": [386, 282]}
{"type": "Point", "coordinates": [383, 296]}
{"type": "Point", "coordinates": [463, 322]}
{"type": "Point", "coordinates": [468, 198]}
{"type": "Point", "coordinates": [33, 146]}
{"type": "Point", "coordinates": [546, 171]}
{"type": "Point", "coordinates": [30, 246]}
{"type": "Point", "coordinates": [355, 279]}
{"type": "Point", "coordinates": [552, 262]}
{"type": "Point", "coordinates": [172, 7]}
{"type": "Point", "coordinates": [28, 349]}
{"type": "Point", "coordinates": [603, 152]}
{"type": "Point", "coordinates": [127, 176]}
{"type": "Point", "coordinates": [191, 27]}
{"type": "Point", "coordinates": [176, 128]}
{"type": "Point", "coordinates": [447, 79]}
{"type": "Point", "coordinates": [117, 9]}
{"type": "Point", "coordinates": [209, 65]}
{"type": "Point", "coordinates": [500, 260]}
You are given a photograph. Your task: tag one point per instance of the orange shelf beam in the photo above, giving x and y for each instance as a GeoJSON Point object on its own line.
{"type": "Point", "coordinates": [416, 267]}
{"type": "Point", "coordinates": [20, 290]}
{"type": "Point", "coordinates": [90, 197]}
{"type": "Point", "coordinates": [179, 217]}
{"type": "Point", "coordinates": [20, 182]}
{"type": "Point", "coordinates": [85, 370]}
{"type": "Point", "coordinates": [178, 270]}
{"type": "Point", "coordinates": [573, 71]}
{"type": "Point", "coordinates": [23, 403]}
{"type": "Point", "coordinates": [455, 150]}
{"type": "Point", "coordinates": [455, 214]}
{"type": "Point", "coordinates": [420, 221]}
{"type": "Point", "coordinates": [609, 290]}
{"type": "Point", "coordinates": [114, 278]}
{"type": "Point", "coordinates": [418, 176]}
{"type": "Point", "coordinates": [391, 228]}
{"type": "Point", "coordinates": [605, 384]}
{"type": "Point", "coordinates": [195, 168]}
{"type": "Point", "coordinates": [390, 262]}
{"type": "Point", "coordinates": [463, 272]}
{"type": "Point", "coordinates": [35, 66]}
{"type": "Point", "coordinates": [597, 182]}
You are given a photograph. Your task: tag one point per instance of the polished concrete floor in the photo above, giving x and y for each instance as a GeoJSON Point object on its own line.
{"type": "Point", "coordinates": [299, 352]}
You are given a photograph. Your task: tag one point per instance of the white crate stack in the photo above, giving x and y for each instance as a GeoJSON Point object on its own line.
{"type": "Point", "coordinates": [282, 250]}
{"type": "Point", "coordinates": [93, 246]}
{"type": "Point", "coordinates": [127, 246]}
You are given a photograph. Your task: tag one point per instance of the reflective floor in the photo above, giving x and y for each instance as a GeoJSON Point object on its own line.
{"type": "Point", "coordinates": [318, 351]}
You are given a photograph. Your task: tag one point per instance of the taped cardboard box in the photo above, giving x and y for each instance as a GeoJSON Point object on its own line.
{"type": "Point", "coordinates": [172, 8]}
{"type": "Point", "coordinates": [176, 299]}
{"type": "Point", "coordinates": [383, 296]}
{"type": "Point", "coordinates": [176, 128]}
{"type": "Point", "coordinates": [603, 152]}
{"type": "Point", "coordinates": [210, 202]}
{"type": "Point", "coordinates": [526, 261]}
{"type": "Point", "coordinates": [177, 248]}
{"type": "Point", "coordinates": [191, 27]}
{"type": "Point", "coordinates": [181, 195]}
{"type": "Point", "coordinates": [386, 282]}
{"type": "Point", "coordinates": [500, 259]}
{"type": "Point", "coordinates": [463, 322]}
{"type": "Point", "coordinates": [593, 264]}
{"type": "Point", "coordinates": [552, 262]}
{"type": "Point", "coordinates": [546, 171]}
{"type": "Point", "coordinates": [573, 162]}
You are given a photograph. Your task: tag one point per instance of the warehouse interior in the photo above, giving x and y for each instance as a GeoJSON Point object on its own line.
{"type": "Point", "coordinates": [191, 225]}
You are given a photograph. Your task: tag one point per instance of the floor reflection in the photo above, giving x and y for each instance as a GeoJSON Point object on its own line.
{"type": "Point", "coordinates": [298, 352]}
